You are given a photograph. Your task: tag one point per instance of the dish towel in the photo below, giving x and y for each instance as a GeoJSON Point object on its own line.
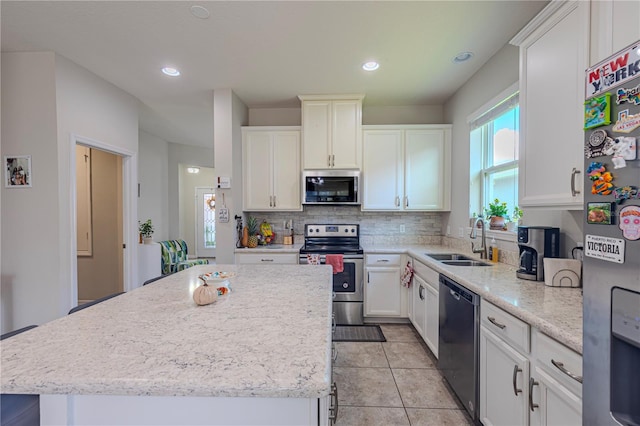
{"type": "Point", "coordinates": [407, 275]}
{"type": "Point", "coordinates": [313, 259]}
{"type": "Point", "coordinates": [337, 261]}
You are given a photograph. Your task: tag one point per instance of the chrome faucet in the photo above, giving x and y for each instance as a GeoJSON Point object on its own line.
{"type": "Point", "coordinates": [483, 248]}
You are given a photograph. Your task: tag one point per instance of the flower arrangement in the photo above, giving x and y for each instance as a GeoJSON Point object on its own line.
{"type": "Point", "coordinates": [496, 209]}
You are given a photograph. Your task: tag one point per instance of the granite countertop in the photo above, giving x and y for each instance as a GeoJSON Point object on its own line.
{"type": "Point", "coordinates": [270, 337]}
{"type": "Point", "coordinates": [556, 311]}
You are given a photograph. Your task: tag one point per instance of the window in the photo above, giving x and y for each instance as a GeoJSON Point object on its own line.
{"type": "Point", "coordinates": [494, 155]}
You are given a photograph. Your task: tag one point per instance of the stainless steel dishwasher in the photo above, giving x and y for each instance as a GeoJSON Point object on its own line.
{"type": "Point", "coordinates": [459, 342]}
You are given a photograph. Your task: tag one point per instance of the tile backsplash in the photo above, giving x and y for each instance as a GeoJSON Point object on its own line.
{"type": "Point", "coordinates": [375, 227]}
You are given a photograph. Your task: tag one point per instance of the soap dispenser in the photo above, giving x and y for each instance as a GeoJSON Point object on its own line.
{"type": "Point", "coordinates": [493, 250]}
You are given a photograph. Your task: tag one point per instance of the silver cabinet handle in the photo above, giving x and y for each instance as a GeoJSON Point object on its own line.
{"type": "Point", "coordinates": [274, 201]}
{"type": "Point", "coordinates": [560, 366]}
{"type": "Point", "coordinates": [532, 383]}
{"type": "Point", "coordinates": [382, 260]}
{"type": "Point", "coordinates": [266, 260]}
{"type": "Point", "coordinates": [329, 160]}
{"type": "Point", "coordinates": [334, 325]}
{"type": "Point", "coordinates": [334, 352]}
{"type": "Point", "coordinates": [406, 202]}
{"type": "Point", "coordinates": [397, 201]}
{"type": "Point", "coordinates": [421, 292]}
{"type": "Point", "coordinates": [516, 370]}
{"type": "Point", "coordinates": [333, 408]}
{"type": "Point", "coordinates": [270, 200]}
{"type": "Point", "coordinates": [574, 191]}
{"type": "Point", "coordinates": [493, 321]}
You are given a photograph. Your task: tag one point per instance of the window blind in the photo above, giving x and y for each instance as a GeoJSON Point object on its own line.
{"type": "Point", "coordinates": [508, 104]}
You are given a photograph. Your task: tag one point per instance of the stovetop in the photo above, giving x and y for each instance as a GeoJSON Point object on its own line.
{"type": "Point", "coordinates": [331, 239]}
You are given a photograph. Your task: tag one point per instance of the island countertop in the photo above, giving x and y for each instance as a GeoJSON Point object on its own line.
{"type": "Point", "coordinates": [269, 337]}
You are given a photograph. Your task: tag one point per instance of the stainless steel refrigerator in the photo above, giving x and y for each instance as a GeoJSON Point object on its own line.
{"type": "Point", "coordinates": [611, 269]}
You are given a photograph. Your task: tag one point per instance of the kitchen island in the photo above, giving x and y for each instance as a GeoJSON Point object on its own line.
{"type": "Point", "coordinates": [258, 355]}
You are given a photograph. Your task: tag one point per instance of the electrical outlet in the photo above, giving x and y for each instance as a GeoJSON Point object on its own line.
{"type": "Point", "coordinates": [402, 229]}
{"type": "Point", "coordinates": [461, 232]}
{"type": "Point", "coordinates": [448, 229]}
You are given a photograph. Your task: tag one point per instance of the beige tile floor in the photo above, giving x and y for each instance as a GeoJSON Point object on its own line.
{"type": "Point", "coordinates": [393, 383]}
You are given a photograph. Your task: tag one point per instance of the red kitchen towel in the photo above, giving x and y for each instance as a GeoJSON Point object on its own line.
{"type": "Point", "coordinates": [337, 261]}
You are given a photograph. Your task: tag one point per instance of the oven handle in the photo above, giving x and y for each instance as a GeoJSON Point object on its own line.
{"type": "Point", "coordinates": [346, 257]}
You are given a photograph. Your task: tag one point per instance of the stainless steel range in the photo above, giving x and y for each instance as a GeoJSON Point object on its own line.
{"type": "Point", "coordinates": [348, 285]}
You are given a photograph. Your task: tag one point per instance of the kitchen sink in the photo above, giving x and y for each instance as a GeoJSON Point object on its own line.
{"type": "Point", "coordinates": [466, 262]}
{"type": "Point", "coordinates": [448, 256]}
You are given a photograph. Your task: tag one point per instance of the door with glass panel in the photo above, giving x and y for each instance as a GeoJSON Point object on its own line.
{"type": "Point", "coordinates": [205, 222]}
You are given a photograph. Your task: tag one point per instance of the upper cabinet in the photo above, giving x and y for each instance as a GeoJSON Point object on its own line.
{"type": "Point", "coordinates": [554, 51]}
{"type": "Point", "coordinates": [271, 168]}
{"type": "Point", "coordinates": [614, 26]}
{"type": "Point", "coordinates": [331, 131]}
{"type": "Point", "coordinates": [406, 168]}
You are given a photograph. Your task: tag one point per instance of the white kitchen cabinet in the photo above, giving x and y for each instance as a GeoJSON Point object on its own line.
{"type": "Point", "coordinates": [504, 374]}
{"type": "Point", "coordinates": [267, 258]}
{"type": "Point", "coordinates": [331, 131]}
{"type": "Point", "coordinates": [406, 168]}
{"type": "Point", "coordinates": [525, 376]}
{"type": "Point", "coordinates": [271, 168]}
{"type": "Point", "coordinates": [426, 304]}
{"type": "Point", "coordinates": [614, 26]}
{"type": "Point", "coordinates": [383, 292]}
{"type": "Point", "coordinates": [554, 52]}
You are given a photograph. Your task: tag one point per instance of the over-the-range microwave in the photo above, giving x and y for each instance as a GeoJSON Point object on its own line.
{"type": "Point", "coordinates": [331, 187]}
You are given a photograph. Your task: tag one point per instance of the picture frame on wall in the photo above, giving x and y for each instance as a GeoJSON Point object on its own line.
{"type": "Point", "coordinates": [17, 171]}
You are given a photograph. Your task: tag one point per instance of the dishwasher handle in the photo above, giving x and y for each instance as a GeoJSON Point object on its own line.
{"type": "Point", "coordinates": [457, 291]}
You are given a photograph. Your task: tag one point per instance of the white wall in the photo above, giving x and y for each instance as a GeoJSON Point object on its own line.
{"type": "Point", "coordinates": [153, 175]}
{"type": "Point", "coordinates": [30, 292]}
{"type": "Point", "coordinates": [229, 115]}
{"type": "Point", "coordinates": [45, 99]}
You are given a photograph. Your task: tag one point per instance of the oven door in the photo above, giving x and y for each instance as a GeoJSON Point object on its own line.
{"type": "Point", "coordinates": [347, 285]}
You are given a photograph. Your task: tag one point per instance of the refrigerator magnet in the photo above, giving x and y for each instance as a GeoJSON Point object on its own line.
{"type": "Point", "coordinates": [597, 111]}
{"type": "Point", "coordinates": [597, 143]}
{"type": "Point", "coordinates": [630, 222]}
{"type": "Point", "coordinates": [600, 213]}
{"type": "Point", "coordinates": [626, 123]}
{"type": "Point", "coordinates": [601, 179]}
{"type": "Point", "coordinates": [628, 95]}
{"type": "Point", "coordinates": [623, 193]}
{"type": "Point", "coordinates": [621, 148]}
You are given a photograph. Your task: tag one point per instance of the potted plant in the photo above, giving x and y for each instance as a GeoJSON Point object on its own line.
{"type": "Point", "coordinates": [496, 212]}
{"type": "Point", "coordinates": [515, 218]}
{"type": "Point", "coordinates": [146, 231]}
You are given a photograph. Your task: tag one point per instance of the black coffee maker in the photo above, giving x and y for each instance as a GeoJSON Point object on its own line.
{"type": "Point", "coordinates": [536, 243]}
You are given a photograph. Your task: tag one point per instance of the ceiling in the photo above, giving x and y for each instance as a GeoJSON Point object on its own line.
{"type": "Point", "coordinates": [267, 52]}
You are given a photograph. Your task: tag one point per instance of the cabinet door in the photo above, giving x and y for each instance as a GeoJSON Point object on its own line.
{"type": "Point", "coordinates": [553, 61]}
{"type": "Point", "coordinates": [316, 134]}
{"type": "Point", "coordinates": [432, 321]}
{"type": "Point", "coordinates": [346, 134]}
{"type": "Point", "coordinates": [256, 168]}
{"type": "Point", "coordinates": [425, 170]}
{"type": "Point", "coordinates": [556, 404]}
{"type": "Point", "coordinates": [382, 170]}
{"type": "Point", "coordinates": [286, 171]}
{"type": "Point", "coordinates": [382, 292]}
{"type": "Point", "coordinates": [504, 375]}
{"type": "Point", "coordinates": [419, 305]}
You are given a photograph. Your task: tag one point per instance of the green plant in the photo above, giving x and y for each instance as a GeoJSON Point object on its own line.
{"type": "Point", "coordinates": [145, 228]}
{"type": "Point", "coordinates": [496, 209]}
{"type": "Point", "coordinates": [517, 214]}
{"type": "Point", "coordinates": [252, 227]}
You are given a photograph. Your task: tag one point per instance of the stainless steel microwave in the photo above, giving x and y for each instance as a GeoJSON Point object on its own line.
{"type": "Point", "coordinates": [331, 187]}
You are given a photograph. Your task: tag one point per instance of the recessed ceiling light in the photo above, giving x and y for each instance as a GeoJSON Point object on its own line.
{"type": "Point", "coordinates": [200, 12]}
{"type": "Point", "coordinates": [193, 169]}
{"type": "Point", "coordinates": [171, 72]}
{"type": "Point", "coordinates": [370, 66]}
{"type": "Point", "coordinates": [462, 57]}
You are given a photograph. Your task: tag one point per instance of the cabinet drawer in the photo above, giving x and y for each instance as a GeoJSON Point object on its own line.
{"type": "Point", "coordinates": [383, 259]}
{"type": "Point", "coordinates": [267, 258]}
{"type": "Point", "coordinates": [505, 325]}
{"type": "Point", "coordinates": [558, 360]}
{"type": "Point", "coordinates": [429, 275]}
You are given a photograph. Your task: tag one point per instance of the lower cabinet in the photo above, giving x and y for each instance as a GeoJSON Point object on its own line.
{"type": "Point", "coordinates": [383, 294]}
{"type": "Point", "coordinates": [525, 376]}
{"type": "Point", "coordinates": [425, 306]}
{"type": "Point", "coordinates": [267, 258]}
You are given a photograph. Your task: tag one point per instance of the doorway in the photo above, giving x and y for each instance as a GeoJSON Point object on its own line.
{"type": "Point", "coordinates": [205, 222]}
{"type": "Point", "coordinates": [99, 223]}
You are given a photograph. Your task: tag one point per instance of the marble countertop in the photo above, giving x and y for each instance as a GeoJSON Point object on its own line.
{"type": "Point", "coordinates": [556, 311]}
{"type": "Point", "coordinates": [272, 248]}
{"type": "Point", "coordinates": [270, 337]}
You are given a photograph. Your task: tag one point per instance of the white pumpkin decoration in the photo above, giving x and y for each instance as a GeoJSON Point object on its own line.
{"type": "Point", "coordinates": [205, 294]}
